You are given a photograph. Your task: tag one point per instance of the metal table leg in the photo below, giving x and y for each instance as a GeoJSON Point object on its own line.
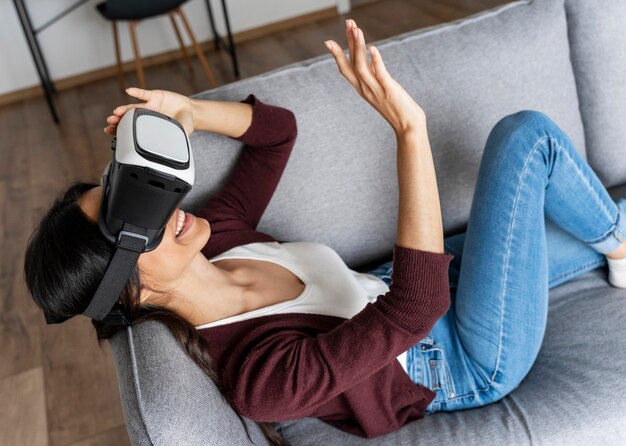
{"type": "Point", "coordinates": [217, 39]}
{"type": "Point", "coordinates": [35, 51]}
{"type": "Point", "coordinates": [231, 45]}
{"type": "Point", "coordinates": [40, 62]}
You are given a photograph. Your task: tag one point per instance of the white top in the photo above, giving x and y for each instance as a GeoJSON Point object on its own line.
{"type": "Point", "coordinates": [330, 287]}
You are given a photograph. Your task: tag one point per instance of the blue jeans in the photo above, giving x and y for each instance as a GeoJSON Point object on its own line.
{"type": "Point", "coordinates": [540, 217]}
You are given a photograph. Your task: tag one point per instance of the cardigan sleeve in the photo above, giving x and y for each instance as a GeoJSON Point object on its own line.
{"type": "Point", "coordinates": [289, 373]}
{"type": "Point", "coordinates": [268, 142]}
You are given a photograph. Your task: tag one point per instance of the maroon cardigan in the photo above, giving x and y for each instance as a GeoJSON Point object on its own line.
{"type": "Point", "coordinates": [287, 366]}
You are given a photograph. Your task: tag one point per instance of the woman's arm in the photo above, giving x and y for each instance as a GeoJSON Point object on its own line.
{"type": "Point", "coordinates": [282, 373]}
{"type": "Point", "coordinates": [419, 211]}
{"type": "Point", "coordinates": [227, 118]}
{"type": "Point", "coordinates": [279, 371]}
{"type": "Point", "coordinates": [267, 131]}
{"type": "Point", "coordinates": [268, 142]}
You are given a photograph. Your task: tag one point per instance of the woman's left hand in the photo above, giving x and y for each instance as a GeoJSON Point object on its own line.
{"type": "Point", "coordinates": [374, 83]}
{"type": "Point", "coordinates": [169, 103]}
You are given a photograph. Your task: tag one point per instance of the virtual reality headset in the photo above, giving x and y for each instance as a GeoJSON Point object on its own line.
{"type": "Point", "coordinates": [150, 173]}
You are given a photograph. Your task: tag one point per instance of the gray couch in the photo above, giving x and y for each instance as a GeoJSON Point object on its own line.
{"type": "Point", "coordinates": [339, 188]}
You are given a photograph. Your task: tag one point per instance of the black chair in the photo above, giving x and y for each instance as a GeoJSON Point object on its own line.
{"type": "Point", "coordinates": [134, 11]}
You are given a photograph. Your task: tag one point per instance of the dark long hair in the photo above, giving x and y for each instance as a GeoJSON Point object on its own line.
{"type": "Point", "coordinates": [65, 260]}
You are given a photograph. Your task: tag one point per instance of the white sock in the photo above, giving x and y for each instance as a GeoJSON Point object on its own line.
{"type": "Point", "coordinates": [617, 272]}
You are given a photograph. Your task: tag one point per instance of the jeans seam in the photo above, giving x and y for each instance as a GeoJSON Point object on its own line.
{"type": "Point", "coordinates": [606, 211]}
{"type": "Point", "coordinates": [523, 173]}
{"type": "Point", "coordinates": [580, 268]}
{"type": "Point", "coordinates": [506, 266]}
{"type": "Point", "coordinates": [460, 396]}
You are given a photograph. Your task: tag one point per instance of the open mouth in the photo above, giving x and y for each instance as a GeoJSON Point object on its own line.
{"type": "Point", "coordinates": [183, 223]}
{"type": "Point", "coordinates": [180, 222]}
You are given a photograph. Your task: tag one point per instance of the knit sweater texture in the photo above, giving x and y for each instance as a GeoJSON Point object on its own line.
{"type": "Point", "coordinates": [288, 366]}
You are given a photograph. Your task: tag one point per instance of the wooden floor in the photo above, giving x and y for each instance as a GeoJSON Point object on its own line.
{"type": "Point", "coordinates": [56, 386]}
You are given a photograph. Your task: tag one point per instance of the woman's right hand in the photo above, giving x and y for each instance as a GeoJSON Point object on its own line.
{"type": "Point", "coordinates": [373, 82]}
{"type": "Point", "coordinates": [169, 103]}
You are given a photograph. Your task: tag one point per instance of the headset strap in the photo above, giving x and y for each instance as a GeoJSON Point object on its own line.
{"type": "Point", "coordinates": [131, 242]}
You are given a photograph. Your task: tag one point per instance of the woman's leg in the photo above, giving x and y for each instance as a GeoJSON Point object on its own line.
{"type": "Point", "coordinates": [529, 171]}
{"type": "Point", "coordinates": [568, 257]}
{"type": "Point", "coordinates": [512, 253]}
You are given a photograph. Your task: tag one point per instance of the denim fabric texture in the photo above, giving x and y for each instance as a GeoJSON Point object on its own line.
{"type": "Point", "coordinates": [540, 216]}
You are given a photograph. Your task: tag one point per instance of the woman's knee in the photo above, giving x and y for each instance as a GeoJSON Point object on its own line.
{"type": "Point", "coordinates": [525, 123]}
{"type": "Point", "coordinates": [523, 120]}
{"type": "Point", "coordinates": [520, 131]}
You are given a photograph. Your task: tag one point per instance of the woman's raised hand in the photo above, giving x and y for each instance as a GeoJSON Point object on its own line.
{"type": "Point", "coordinates": [171, 104]}
{"type": "Point", "coordinates": [373, 82]}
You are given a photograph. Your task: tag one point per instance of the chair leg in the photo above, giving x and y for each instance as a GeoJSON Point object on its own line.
{"type": "Point", "coordinates": [138, 65]}
{"type": "Point", "coordinates": [180, 41]}
{"type": "Point", "coordinates": [118, 58]}
{"type": "Point", "coordinates": [203, 62]}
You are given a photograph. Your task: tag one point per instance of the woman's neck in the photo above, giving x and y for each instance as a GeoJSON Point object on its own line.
{"type": "Point", "coordinates": [206, 293]}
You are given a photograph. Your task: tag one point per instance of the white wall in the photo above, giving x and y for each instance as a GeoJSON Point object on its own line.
{"type": "Point", "coordinates": [83, 41]}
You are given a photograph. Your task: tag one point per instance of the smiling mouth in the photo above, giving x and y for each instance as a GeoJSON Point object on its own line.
{"type": "Point", "coordinates": [180, 222]}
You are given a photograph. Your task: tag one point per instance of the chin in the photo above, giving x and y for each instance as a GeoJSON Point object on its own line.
{"type": "Point", "coordinates": [205, 230]}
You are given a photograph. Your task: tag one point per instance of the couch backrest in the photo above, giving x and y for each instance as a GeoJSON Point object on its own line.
{"type": "Point", "coordinates": [340, 185]}
{"type": "Point", "coordinates": [597, 32]}
{"type": "Point", "coordinates": [167, 399]}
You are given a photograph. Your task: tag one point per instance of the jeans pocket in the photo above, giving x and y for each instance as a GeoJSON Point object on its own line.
{"type": "Point", "coordinates": [438, 377]}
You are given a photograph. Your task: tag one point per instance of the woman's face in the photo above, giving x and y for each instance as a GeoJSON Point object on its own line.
{"type": "Point", "coordinates": [167, 262]}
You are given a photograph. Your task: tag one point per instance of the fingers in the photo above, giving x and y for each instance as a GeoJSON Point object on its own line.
{"type": "Point", "coordinates": [345, 68]}
{"type": "Point", "coordinates": [363, 68]}
{"type": "Point", "coordinates": [112, 120]}
{"type": "Point", "coordinates": [350, 25]}
{"type": "Point", "coordinates": [380, 71]}
{"type": "Point", "coordinates": [115, 118]}
{"type": "Point", "coordinates": [139, 93]}
{"type": "Point", "coordinates": [119, 111]}
{"type": "Point", "coordinates": [358, 70]}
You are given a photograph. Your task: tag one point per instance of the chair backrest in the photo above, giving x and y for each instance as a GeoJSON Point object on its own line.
{"type": "Point", "coordinates": [136, 9]}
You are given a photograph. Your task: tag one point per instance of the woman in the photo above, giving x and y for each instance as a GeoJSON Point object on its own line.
{"type": "Point", "coordinates": [288, 323]}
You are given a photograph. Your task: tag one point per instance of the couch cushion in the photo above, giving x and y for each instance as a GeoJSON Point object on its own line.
{"type": "Point", "coordinates": [340, 185]}
{"type": "Point", "coordinates": [340, 188]}
{"type": "Point", "coordinates": [167, 399]}
{"type": "Point", "coordinates": [571, 396]}
{"type": "Point", "coordinates": [597, 32]}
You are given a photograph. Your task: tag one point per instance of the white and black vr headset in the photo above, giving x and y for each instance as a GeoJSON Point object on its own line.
{"type": "Point", "coordinates": [150, 173]}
